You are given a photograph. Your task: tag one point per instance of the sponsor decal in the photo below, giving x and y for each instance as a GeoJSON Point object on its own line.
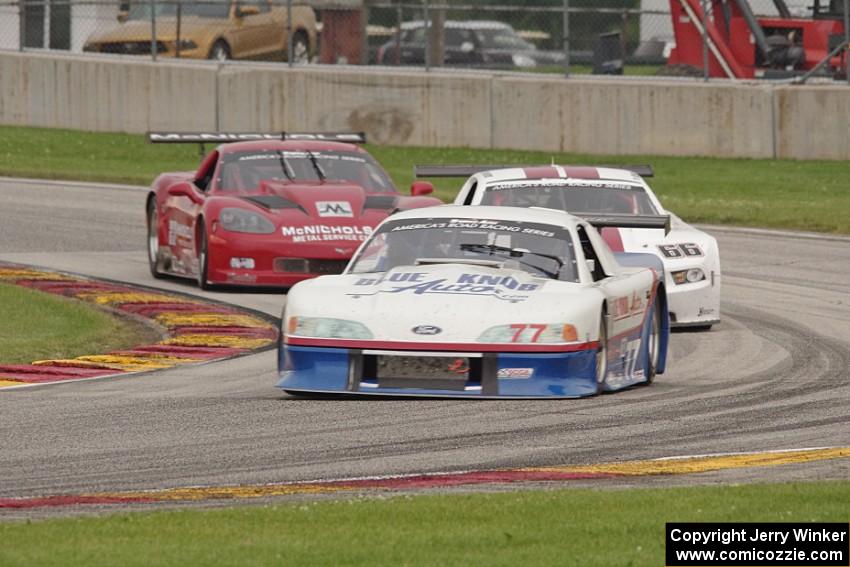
{"type": "Point", "coordinates": [334, 209]}
{"type": "Point", "coordinates": [177, 230]}
{"type": "Point", "coordinates": [323, 232]}
{"type": "Point", "coordinates": [427, 330]}
{"type": "Point", "coordinates": [705, 311]}
{"type": "Point", "coordinates": [623, 307]}
{"type": "Point", "coordinates": [499, 226]}
{"type": "Point", "coordinates": [515, 373]}
{"type": "Point", "coordinates": [562, 184]}
{"type": "Point", "coordinates": [501, 287]}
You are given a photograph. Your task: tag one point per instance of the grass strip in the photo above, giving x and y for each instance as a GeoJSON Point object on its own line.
{"type": "Point", "coordinates": [38, 326]}
{"type": "Point", "coordinates": [564, 527]}
{"type": "Point", "coordinates": [801, 195]}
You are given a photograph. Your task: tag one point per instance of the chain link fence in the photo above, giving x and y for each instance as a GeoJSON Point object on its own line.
{"type": "Point", "coordinates": [602, 36]}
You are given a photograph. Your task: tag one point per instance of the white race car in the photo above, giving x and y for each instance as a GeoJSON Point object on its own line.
{"type": "Point", "coordinates": [479, 302]}
{"type": "Point", "coordinates": [691, 257]}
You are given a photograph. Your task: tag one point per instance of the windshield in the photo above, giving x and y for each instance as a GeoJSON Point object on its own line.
{"type": "Point", "coordinates": [502, 38]}
{"type": "Point", "coordinates": [210, 9]}
{"type": "Point", "coordinates": [539, 249]}
{"type": "Point", "coordinates": [245, 170]}
{"type": "Point", "coordinates": [588, 197]}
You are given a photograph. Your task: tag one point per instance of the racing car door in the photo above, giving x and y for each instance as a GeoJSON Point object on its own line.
{"type": "Point", "coordinates": [181, 210]}
{"type": "Point", "coordinates": [628, 293]}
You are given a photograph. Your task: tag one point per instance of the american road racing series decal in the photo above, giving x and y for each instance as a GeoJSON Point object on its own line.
{"type": "Point", "coordinates": [323, 232]}
{"type": "Point", "coordinates": [502, 226]}
{"type": "Point", "coordinates": [501, 287]}
{"type": "Point", "coordinates": [562, 184]}
{"type": "Point", "coordinates": [515, 373]}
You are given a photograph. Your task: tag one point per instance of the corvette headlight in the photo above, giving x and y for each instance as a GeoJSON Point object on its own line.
{"type": "Point", "coordinates": [240, 220]}
{"type": "Point", "coordinates": [327, 328]}
{"type": "Point", "coordinates": [688, 276]}
{"type": "Point", "coordinates": [529, 333]}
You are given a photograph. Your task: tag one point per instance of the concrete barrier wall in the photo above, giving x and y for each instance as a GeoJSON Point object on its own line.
{"type": "Point", "coordinates": [118, 95]}
{"type": "Point", "coordinates": [483, 110]}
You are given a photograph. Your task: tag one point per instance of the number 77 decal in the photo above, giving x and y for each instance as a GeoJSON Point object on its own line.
{"type": "Point", "coordinates": [520, 329]}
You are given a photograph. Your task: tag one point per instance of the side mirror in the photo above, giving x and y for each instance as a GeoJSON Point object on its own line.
{"type": "Point", "coordinates": [467, 47]}
{"type": "Point", "coordinates": [242, 11]}
{"type": "Point", "coordinates": [420, 188]}
{"type": "Point", "coordinates": [185, 189]}
{"type": "Point", "coordinates": [591, 265]}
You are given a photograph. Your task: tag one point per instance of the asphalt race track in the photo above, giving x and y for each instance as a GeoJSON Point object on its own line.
{"type": "Point", "coordinates": [775, 374]}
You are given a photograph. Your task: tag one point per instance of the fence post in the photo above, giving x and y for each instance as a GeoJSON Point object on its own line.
{"type": "Point", "coordinates": [705, 40]}
{"type": "Point", "coordinates": [847, 39]}
{"type": "Point", "coordinates": [289, 39]}
{"type": "Point", "coordinates": [22, 24]}
{"type": "Point", "coordinates": [427, 21]}
{"type": "Point", "coordinates": [179, 23]}
{"type": "Point", "coordinates": [566, 39]}
{"type": "Point", "coordinates": [399, 19]}
{"type": "Point", "coordinates": [153, 30]}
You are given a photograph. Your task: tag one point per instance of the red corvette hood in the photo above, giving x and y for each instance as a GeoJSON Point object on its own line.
{"type": "Point", "coordinates": [323, 212]}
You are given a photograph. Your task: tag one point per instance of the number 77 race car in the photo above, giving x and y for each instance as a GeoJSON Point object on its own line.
{"type": "Point", "coordinates": [480, 302]}
{"type": "Point", "coordinates": [269, 209]}
{"type": "Point", "coordinates": [691, 257]}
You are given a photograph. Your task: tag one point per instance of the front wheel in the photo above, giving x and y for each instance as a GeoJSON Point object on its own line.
{"type": "Point", "coordinates": [653, 343]}
{"type": "Point", "coordinates": [220, 51]}
{"type": "Point", "coordinates": [300, 48]}
{"type": "Point", "coordinates": [153, 240]}
{"type": "Point", "coordinates": [602, 356]}
{"type": "Point", "coordinates": [203, 260]}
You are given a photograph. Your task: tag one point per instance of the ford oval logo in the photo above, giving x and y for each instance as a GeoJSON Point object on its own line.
{"type": "Point", "coordinates": [427, 330]}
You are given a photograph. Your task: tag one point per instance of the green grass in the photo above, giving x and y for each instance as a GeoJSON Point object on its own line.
{"type": "Point", "coordinates": [566, 527]}
{"type": "Point", "coordinates": [803, 195]}
{"type": "Point", "coordinates": [38, 325]}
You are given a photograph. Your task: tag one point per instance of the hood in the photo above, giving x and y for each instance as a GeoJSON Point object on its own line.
{"type": "Point", "coordinates": [445, 302]}
{"type": "Point", "coordinates": [166, 30]}
{"type": "Point", "coordinates": [320, 213]}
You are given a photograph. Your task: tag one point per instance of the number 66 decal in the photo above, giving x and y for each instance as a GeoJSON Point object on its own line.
{"type": "Point", "coordinates": [684, 250]}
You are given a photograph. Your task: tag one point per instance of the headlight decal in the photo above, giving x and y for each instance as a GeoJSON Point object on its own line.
{"type": "Point", "coordinates": [240, 220]}
{"type": "Point", "coordinates": [530, 333]}
{"type": "Point", "coordinates": [327, 328]}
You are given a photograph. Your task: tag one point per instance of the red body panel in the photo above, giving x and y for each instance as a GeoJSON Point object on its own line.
{"type": "Point", "coordinates": [303, 234]}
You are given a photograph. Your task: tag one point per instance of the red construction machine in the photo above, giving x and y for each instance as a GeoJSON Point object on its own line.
{"type": "Point", "coordinates": [744, 46]}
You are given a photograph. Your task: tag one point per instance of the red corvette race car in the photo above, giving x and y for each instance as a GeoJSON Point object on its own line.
{"type": "Point", "coordinates": [269, 209]}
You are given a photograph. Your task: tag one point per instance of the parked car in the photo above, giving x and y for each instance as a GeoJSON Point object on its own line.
{"type": "Point", "coordinates": [227, 29]}
{"type": "Point", "coordinates": [474, 43]}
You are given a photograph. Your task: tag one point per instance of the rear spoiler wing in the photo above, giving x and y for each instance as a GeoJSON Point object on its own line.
{"type": "Point", "coordinates": [626, 221]}
{"type": "Point", "coordinates": [227, 137]}
{"type": "Point", "coordinates": [467, 170]}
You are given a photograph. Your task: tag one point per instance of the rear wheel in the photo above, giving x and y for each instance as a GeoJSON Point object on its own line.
{"type": "Point", "coordinates": [602, 356]}
{"type": "Point", "coordinates": [203, 259]}
{"type": "Point", "coordinates": [153, 240]}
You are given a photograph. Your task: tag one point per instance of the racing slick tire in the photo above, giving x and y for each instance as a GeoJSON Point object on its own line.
{"type": "Point", "coordinates": [203, 259]}
{"type": "Point", "coordinates": [653, 344]}
{"type": "Point", "coordinates": [602, 356]}
{"type": "Point", "coordinates": [153, 241]}
{"type": "Point", "coordinates": [220, 51]}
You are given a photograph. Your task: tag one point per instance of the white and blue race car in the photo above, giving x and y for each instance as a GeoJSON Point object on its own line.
{"type": "Point", "coordinates": [691, 257]}
{"type": "Point", "coordinates": [479, 302]}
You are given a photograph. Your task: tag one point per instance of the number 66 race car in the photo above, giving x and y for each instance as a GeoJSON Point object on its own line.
{"type": "Point", "coordinates": [480, 302]}
{"type": "Point", "coordinates": [690, 256]}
